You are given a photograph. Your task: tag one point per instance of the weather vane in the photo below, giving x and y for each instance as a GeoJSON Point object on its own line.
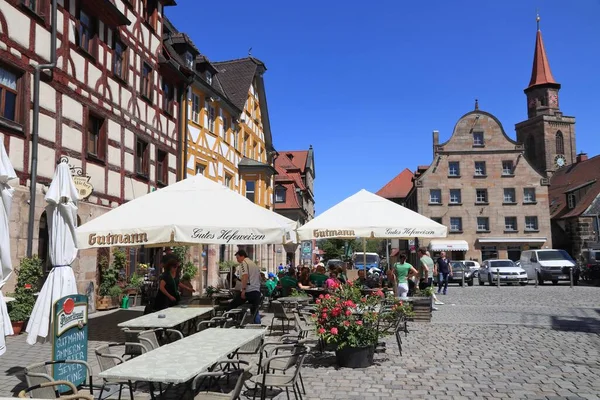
{"type": "Point", "coordinates": [537, 18]}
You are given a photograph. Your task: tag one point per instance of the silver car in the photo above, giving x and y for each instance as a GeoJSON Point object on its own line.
{"type": "Point", "coordinates": [508, 272]}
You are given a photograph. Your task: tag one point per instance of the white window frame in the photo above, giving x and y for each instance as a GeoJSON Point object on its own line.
{"type": "Point", "coordinates": [455, 224]}
{"type": "Point", "coordinates": [432, 197]}
{"type": "Point", "coordinates": [454, 168]}
{"type": "Point", "coordinates": [280, 190]}
{"type": "Point", "coordinates": [510, 195]}
{"type": "Point", "coordinates": [571, 201]}
{"type": "Point", "coordinates": [485, 197]}
{"type": "Point", "coordinates": [227, 181]}
{"type": "Point", "coordinates": [508, 171]}
{"type": "Point", "coordinates": [209, 78]}
{"type": "Point", "coordinates": [478, 139]}
{"type": "Point", "coordinates": [195, 108]}
{"type": "Point", "coordinates": [480, 168]}
{"type": "Point", "coordinates": [531, 223]}
{"type": "Point", "coordinates": [483, 224]}
{"type": "Point", "coordinates": [529, 195]}
{"type": "Point", "coordinates": [455, 196]}
{"type": "Point", "coordinates": [210, 112]}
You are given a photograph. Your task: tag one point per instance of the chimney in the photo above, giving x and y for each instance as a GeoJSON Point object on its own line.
{"type": "Point", "coordinates": [582, 157]}
{"type": "Point", "coordinates": [436, 141]}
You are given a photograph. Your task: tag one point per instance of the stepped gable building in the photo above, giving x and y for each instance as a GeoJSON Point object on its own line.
{"type": "Point", "coordinates": [575, 205]}
{"type": "Point", "coordinates": [294, 197]}
{"type": "Point", "coordinates": [548, 135]}
{"type": "Point", "coordinates": [480, 185]}
{"type": "Point", "coordinates": [109, 107]}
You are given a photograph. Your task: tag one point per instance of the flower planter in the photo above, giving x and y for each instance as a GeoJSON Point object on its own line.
{"type": "Point", "coordinates": [421, 309]}
{"type": "Point", "coordinates": [17, 327]}
{"type": "Point", "coordinates": [107, 303]}
{"type": "Point", "coordinates": [355, 357]}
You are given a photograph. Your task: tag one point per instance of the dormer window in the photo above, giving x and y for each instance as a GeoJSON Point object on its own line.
{"type": "Point", "coordinates": [280, 194]}
{"type": "Point", "coordinates": [478, 139]}
{"type": "Point", "coordinates": [209, 78]}
{"type": "Point", "coordinates": [189, 60]}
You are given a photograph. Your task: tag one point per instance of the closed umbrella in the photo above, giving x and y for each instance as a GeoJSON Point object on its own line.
{"type": "Point", "coordinates": [61, 212]}
{"type": "Point", "coordinates": [7, 173]}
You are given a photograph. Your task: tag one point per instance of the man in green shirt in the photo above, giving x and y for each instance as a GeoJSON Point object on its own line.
{"type": "Point", "coordinates": [426, 269]}
{"type": "Point", "coordinates": [318, 278]}
{"type": "Point", "coordinates": [289, 282]}
{"type": "Point", "coordinates": [402, 271]}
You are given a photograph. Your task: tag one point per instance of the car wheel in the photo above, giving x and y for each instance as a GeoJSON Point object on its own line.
{"type": "Point", "coordinates": [481, 282]}
{"type": "Point", "coordinates": [470, 283]}
{"type": "Point", "coordinates": [555, 282]}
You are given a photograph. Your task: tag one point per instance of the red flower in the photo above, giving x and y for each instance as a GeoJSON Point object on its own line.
{"type": "Point", "coordinates": [321, 331]}
{"type": "Point", "coordinates": [321, 296]}
{"type": "Point", "coordinates": [318, 301]}
{"type": "Point", "coordinates": [364, 299]}
{"type": "Point", "coordinates": [346, 323]}
{"type": "Point", "coordinates": [325, 309]}
{"type": "Point", "coordinates": [324, 315]}
{"type": "Point", "coordinates": [359, 322]}
{"type": "Point", "coordinates": [336, 311]}
{"type": "Point", "coordinates": [334, 331]}
{"type": "Point", "coordinates": [348, 313]}
{"type": "Point", "coordinates": [314, 315]}
{"type": "Point", "coordinates": [327, 296]}
{"type": "Point", "coordinates": [400, 303]}
{"type": "Point", "coordinates": [379, 293]}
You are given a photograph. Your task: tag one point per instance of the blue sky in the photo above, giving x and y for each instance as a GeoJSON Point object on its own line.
{"type": "Point", "coordinates": [367, 82]}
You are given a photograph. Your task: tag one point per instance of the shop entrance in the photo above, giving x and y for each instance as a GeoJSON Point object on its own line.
{"type": "Point", "coordinates": [488, 252]}
{"type": "Point", "coordinates": [514, 253]}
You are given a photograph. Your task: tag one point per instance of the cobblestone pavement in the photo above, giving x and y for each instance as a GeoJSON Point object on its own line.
{"type": "Point", "coordinates": [484, 343]}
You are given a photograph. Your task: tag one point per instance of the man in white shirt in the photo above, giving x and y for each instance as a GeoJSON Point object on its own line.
{"type": "Point", "coordinates": [250, 274]}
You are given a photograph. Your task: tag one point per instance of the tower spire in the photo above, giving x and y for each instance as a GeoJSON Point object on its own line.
{"type": "Point", "coordinates": [541, 73]}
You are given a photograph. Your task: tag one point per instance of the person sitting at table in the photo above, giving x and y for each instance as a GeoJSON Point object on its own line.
{"type": "Point", "coordinates": [369, 282]}
{"type": "Point", "coordinates": [304, 279]}
{"type": "Point", "coordinates": [332, 282]}
{"type": "Point", "coordinates": [318, 278]}
{"type": "Point", "coordinates": [168, 286]}
{"type": "Point", "coordinates": [341, 274]}
{"type": "Point", "coordinates": [271, 284]}
{"type": "Point", "coordinates": [288, 282]}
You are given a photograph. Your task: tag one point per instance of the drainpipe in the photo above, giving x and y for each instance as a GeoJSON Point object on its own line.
{"type": "Point", "coordinates": [35, 127]}
{"type": "Point", "coordinates": [182, 127]}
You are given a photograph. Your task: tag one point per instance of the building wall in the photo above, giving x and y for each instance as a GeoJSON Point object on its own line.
{"type": "Point", "coordinates": [84, 85]}
{"type": "Point", "coordinates": [498, 148]}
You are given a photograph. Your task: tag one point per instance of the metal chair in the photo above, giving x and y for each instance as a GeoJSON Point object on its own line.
{"type": "Point", "coordinates": [150, 340]}
{"type": "Point", "coordinates": [52, 386]}
{"type": "Point", "coordinates": [41, 373]}
{"type": "Point", "coordinates": [279, 313]}
{"type": "Point", "coordinates": [107, 360]}
{"type": "Point", "coordinates": [244, 375]}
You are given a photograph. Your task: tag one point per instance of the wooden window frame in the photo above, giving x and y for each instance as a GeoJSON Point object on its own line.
{"type": "Point", "coordinates": [196, 169]}
{"type": "Point", "coordinates": [150, 13]}
{"type": "Point", "coordinates": [195, 108]}
{"type": "Point", "coordinates": [122, 72]}
{"type": "Point", "coordinates": [92, 41]}
{"type": "Point", "coordinates": [101, 141]}
{"type": "Point", "coordinates": [144, 165]}
{"type": "Point", "coordinates": [146, 81]}
{"type": "Point", "coordinates": [19, 100]}
{"type": "Point", "coordinates": [162, 173]}
{"type": "Point", "coordinates": [168, 96]}
{"type": "Point", "coordinates": [40, 9]}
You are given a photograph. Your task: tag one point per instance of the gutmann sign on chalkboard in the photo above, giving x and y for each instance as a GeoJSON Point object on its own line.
{"type": "Point", "coordinates": [70, 338]}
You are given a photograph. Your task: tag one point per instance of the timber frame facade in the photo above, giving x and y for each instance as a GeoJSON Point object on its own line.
{"type": "Point", "coordinates": [111, 106]}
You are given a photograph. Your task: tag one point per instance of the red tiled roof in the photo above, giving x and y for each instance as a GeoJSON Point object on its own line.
{"type": "Point", "coordinates": [540, 73]}
{"type": "Point", "coordinates": [298, 158]}
{"type": "Point", "coordinates": [571, 177]}
{"type": "Point", "coordinates": [398, 187]}
{"type": "Point", "coordinates": [289, 176]}
{"type": "Point", "coordinates": [291, 200]}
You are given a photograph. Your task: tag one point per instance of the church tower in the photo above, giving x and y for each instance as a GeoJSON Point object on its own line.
{"type": "Point", "coordinates": [548, 135]}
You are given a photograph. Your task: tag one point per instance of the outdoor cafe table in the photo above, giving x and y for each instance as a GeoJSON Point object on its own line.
{"type": "Point", "coordinates": [180, 361]}
{"type": "Point", "coordinates": [174, 316]}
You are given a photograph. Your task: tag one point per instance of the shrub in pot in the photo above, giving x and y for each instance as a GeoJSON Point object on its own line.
{"type": "Point", "coordinates": [109, 291]}
{"type": "Point", "coordinates": [29, 280]}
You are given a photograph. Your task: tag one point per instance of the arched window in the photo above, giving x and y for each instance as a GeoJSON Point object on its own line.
{"type": "Point", "coordinates": [530, 148]}
{"type": "Point", "coordinates": [560, 143]}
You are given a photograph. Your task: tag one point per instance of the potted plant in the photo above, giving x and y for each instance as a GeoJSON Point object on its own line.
{"type": "Point", "coordinates": [134, 287]}
{"type": "Point", "coordinates": [422, 304]}
{"type": "Point", "coordinates": [188, 272]}
{"type": "Point", "coordinates": [29, 277]}
{"type": "Point", "coordinates": [109, 291]}
{"type": "Point", "coordinates": [349, 321]}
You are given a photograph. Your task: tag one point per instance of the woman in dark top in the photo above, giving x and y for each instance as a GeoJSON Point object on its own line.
{"type": "Point", "coordinates": [168, 287]}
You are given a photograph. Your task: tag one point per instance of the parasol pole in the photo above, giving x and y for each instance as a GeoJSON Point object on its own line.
{"type": "Point", "coordinates": [364, 240]}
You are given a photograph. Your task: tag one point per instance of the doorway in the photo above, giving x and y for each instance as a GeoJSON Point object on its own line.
{"type": "Point", "coordinates": [514, 253]}
{"type": "Point", "coordinates": [488, 252]}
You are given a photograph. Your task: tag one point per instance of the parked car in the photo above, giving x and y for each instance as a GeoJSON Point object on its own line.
{"type": "Point", "coordinates": [550, 264]}
{"type": "Point", "coordinates": [506, 269]}
{"type": "Point", "coordinates": [590, 264]}
{"type": "Point", "coordinates": [458, 269]}
{"type": "Point", "coordinates": [473, 265]}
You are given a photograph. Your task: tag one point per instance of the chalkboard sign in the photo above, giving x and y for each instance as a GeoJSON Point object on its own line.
{"type": "Point", "coordinates": [70, 320]}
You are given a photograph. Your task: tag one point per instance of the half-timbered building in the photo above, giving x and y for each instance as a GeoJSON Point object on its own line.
{"type": "Point", "coordinates": [110, 106]}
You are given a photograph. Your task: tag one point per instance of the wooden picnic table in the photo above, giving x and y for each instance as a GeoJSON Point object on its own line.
{"type": "Point", "coordinates": [181, 361]}
{"type": "Point", "coordinates": [174, 316]}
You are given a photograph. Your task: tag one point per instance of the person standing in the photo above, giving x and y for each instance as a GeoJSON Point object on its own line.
{"type": "Point", "coordinates": [445, 270]}
{"type": "Point", "coordinates": [402, 271]}
{"type": "Point", "coordinates": [168, 286]}
{"type": "Point", "coordinates": [250, 275]}
{"type": "Point", "coordinates": [426, 269]}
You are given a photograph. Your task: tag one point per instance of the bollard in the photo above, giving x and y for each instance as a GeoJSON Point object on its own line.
{"type": "Point", "coordinates": [463, 279]}
{"type": "Point", "coordinates": [571, 276]}
{"type": "Point", "coordinates": [536, 277]}
{"type": "Point", "coordinates": [498, 276]}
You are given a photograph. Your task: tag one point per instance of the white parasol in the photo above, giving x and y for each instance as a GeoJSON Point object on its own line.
{"type": "Point", "coordinates": [61, 212]}
{"type": "Point", "coordinates": [7, 173]}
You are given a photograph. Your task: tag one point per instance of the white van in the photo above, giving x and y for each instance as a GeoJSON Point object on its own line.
{"type": "Point", "coordinates": [552, 265]}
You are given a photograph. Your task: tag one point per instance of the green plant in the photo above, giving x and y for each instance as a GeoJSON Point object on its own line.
{"type": "Point", "coordinates": [110, 273]}
{"type": "Point", "coordinates": [136, 281]}
{"type": "Point", "coordinates": [115, 291]}
{"type": "Point", "coordinates": [29, 278]}
{"type": "Point", "coordinates": [210, 290]}
{"type": "Point", "coordinates": [181, 253]}
{"type": "Point", "coordinates": [189, 271]}
{"type": "Point", "coordinates": [225, 266]}
{"type": "Point", "coordinates": [427, 292]}
{"type": "Point", "coordinates": [296, 293]}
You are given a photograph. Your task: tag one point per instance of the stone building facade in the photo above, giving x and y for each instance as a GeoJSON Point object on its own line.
{"type": "Point", "coordinates": [107, 107]}
{"type": "Point", "coordinates": [480, 185]}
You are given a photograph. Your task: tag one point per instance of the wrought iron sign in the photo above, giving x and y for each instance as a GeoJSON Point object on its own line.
{"type": "Point", "coordinates": [81, 180]}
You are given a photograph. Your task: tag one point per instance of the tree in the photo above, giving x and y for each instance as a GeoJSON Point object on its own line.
{"type": "Point", "coordinates": [333, 248]}
{"type": "Point", "coordinates": [372, 246]}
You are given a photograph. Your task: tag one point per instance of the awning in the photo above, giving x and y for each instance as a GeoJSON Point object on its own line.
{"type": "Point", "coordinates": [449, 245]}
{"type": "Point", "coordinates": [522, 239]}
